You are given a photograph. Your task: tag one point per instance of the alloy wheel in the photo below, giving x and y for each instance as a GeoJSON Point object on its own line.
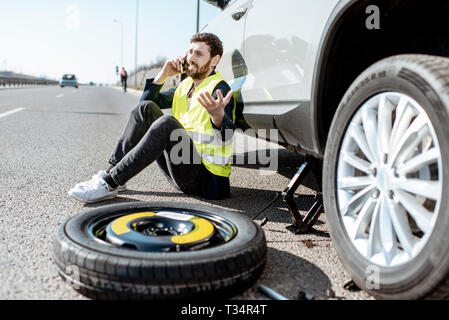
{"type": "Point", "coordinates": [389, 179]}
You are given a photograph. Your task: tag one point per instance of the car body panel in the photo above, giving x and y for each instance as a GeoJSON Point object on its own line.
{"type": "Point", "coordinates": [232, 65]}
{"type": "Point", "coordinates": [281, 55]}
{"type": "Point", "coordinates": [270, 58]}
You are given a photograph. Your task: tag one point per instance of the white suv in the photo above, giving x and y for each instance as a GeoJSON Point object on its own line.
{"type": "Point", "coordinates": [363, 85]}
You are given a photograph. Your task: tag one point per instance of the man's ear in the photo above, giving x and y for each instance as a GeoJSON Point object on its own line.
{"type": "Point", "coordinates": [216, 60]}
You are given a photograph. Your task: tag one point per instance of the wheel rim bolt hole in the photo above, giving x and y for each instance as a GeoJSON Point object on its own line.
{"type": "Point", "coordinates": [152, 231]}
{"type": "Point", "coordinates": [395, 173]}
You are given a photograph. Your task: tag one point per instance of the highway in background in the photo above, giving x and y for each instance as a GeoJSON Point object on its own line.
{"type": "Point", "coordinates": [52, 138]}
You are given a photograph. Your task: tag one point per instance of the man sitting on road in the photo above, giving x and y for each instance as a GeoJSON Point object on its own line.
{"type": "Point", "coordinates": [200, 126]}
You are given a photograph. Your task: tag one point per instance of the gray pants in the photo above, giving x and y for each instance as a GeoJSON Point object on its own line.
{"type": "Point", "coordinates": [146, 138]}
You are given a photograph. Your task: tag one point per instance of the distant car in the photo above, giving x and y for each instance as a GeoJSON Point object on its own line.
{"type": "Point", "coordinates": [68, 80]}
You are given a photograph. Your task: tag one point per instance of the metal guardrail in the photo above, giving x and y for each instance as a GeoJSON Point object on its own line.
{"type": "Point", "coordinates": [20, 82]}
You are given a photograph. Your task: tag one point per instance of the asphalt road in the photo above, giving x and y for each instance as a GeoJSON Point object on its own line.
{"type": "Point", "coordinates": [52, 138]}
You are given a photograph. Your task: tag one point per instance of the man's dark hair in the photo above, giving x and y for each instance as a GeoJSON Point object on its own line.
{"type": "Point", "coordinates": [214, 43]}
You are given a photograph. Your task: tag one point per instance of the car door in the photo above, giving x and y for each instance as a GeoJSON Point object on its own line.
{"type": "Point", "coordinates": [229, 27]}
{"type": "Point", "coordinates": [280, 47]}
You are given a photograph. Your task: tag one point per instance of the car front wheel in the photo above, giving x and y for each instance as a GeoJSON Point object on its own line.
{"type": "Point", "coordinates": [385, 178]}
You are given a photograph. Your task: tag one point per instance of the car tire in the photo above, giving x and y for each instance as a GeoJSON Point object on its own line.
{"type": "Point", "coordinates": [385, 178]}
{"type": "Point", "coordinates": [100, 270]}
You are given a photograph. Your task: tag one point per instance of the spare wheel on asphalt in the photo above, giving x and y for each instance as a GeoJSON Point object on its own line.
{"type": "Point", "coordinates": [159, 251]}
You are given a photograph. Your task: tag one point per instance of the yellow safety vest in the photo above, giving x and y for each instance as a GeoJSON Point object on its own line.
{"type": "Point", "coordinates": [216, 154]}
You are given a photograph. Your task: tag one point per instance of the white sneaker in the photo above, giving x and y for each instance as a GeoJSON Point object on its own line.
{"type": "Point", "coordinates": [100, 175]}
{"type": "Point", "coordinates": [92, 191]}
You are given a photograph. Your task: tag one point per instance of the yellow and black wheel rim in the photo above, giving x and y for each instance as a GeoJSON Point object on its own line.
{"type": "Point", "coordinates": [163, 230]}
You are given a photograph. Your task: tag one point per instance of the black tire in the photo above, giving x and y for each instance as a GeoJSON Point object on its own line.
{"type": "Point", "coordinates": [425, 276]}
{"type": "Point", "coordinates": [106, 271]}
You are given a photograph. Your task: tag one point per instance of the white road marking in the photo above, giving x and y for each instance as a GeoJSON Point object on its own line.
{"type": "Point", "coordinates": [60, 95]}
{"type": "Point", "coordinates": [10, 112]}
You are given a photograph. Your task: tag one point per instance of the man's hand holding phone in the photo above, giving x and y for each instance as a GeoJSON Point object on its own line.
{"type": "Point", "coordinates": [171, 68]}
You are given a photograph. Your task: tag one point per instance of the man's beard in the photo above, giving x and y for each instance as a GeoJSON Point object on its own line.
{"type": "Point", "coordinates": [200, 73]}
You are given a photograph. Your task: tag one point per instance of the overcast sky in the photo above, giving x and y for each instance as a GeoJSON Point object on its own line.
{"type": "Point", "coordinates": [52, 37]}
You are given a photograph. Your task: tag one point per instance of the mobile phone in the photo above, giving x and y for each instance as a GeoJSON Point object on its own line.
{"type": "Point", "coordinates": [183, 66]}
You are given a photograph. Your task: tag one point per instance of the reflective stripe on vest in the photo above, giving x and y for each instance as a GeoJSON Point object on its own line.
{"type": "Point", "coordinates": [208, 139]}
{"type": "Point", "coordinates": [215, 153]}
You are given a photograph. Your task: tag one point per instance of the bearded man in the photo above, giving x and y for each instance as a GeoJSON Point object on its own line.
{"type": "Point", "coordinates": [192, 145]}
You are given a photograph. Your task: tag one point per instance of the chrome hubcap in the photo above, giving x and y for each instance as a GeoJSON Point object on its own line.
{"type": "Point", "coordinates": [389, 179]}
